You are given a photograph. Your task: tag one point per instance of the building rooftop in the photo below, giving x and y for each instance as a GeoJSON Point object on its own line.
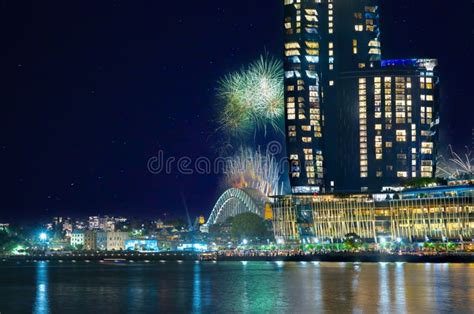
{"type": "Point", "coordinates": [407, 193]}
{"type": "Point", "coordinates": [428, 64]}
{"type": "Point", "coordinates": [438, 190]}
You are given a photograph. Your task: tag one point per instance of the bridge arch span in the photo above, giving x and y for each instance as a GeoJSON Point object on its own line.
{"type": "Point", "coordinates": [237, 201]}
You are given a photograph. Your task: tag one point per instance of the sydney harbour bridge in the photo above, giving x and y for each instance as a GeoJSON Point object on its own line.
{"type": "Point", "coordinates": [236, 201]}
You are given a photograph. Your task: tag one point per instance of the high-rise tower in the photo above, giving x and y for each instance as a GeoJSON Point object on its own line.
{"type": "Point", "coordinates": [331, 48]}
{"type": "Point", "coordinates": [322, 38]}
{"type": "Point", "coordinates": [352, 43]}
{"type": "Point", "coordinates": [303, 95]}
{"type": "Point", "coordinates": [389, 125]}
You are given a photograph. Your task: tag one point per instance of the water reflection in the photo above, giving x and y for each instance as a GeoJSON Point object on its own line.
{"type": "Point", "coordinates": [318, 303]}
{"type": "Point", "coordinates": [235, 287]}
{"type": "Point", "coordinates": [400, 293]}
{"type": "Point", "coordinates": [42, 301]}
{"type": "Point", "coordinates": [197, 288]}
{"type": "Point", "coordinates": [384, 288]}
{"type": "Point", "coordinates": [136, 284]}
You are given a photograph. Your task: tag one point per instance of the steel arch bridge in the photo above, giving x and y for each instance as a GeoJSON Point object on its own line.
{"type": "Point", "coordinates": [237, 201]}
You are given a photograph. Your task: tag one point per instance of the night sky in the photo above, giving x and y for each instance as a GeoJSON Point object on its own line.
{"type": "Point", "coordinates": [92, 89]}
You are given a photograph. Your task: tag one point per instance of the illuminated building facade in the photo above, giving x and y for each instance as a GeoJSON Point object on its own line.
{"type": "Point", "coordinates": [105, 240]}
{"type": "Point", "coordinates": [90, 240]}
{"type": "Point", "coordinates": [142, 245]}
{"type": "Point", "coordinates": [354, 122]}
{"type": "Point", "coordinates": [353, 44]}
{"type": "Point", "coordinates": [77, 238]}
{"type": "Point", "coordinates": [389, 130]}
{"type": "Point", "coordinates": [116, 240]}
{"type": "Point", "coordinates": [439, 214]}
{"type": "Point", "coordinates": [303, 95]}
{"type": "Point", "coordinates": [358, 124]}
{"type": "Point", "coordinates": [322, 39]}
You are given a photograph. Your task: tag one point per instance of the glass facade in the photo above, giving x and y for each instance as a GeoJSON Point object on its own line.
{"type": "Point", "coordinates": [322, 38]}
{"type": "Point", "coordinates": [354, 122]}
{"type": "Point", "coordinates": [392, 112]}
{"type": "Point", "coordinates": [442, 213]}
{"type": "Point", "coordinates": [303, 95]}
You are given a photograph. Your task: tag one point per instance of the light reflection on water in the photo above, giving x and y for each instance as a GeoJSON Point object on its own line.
{"type": "Point", "coordinates": [41, 303]}
{"type": "Point", "coordinates": [235, 287]}
{"type": "Point", "coordinates": [384, 288]}
{"type": "Point", "coordinates": [197, 288]}
{"type": "Point", "coordinates": [400, 293]}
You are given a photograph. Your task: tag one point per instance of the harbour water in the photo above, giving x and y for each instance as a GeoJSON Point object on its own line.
{"type": "Point", "coordinates": [229, 287]}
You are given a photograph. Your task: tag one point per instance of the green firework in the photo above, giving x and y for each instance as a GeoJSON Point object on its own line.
{"type": "Point", "coordinates": [252, 98]}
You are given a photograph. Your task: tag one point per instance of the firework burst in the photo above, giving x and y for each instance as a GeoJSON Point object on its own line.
{"type": "Point", "coordinates": [252, 98]}
{"type": "Point", "coordinates": [456, 165]}
{"type": "Point", "coordinates": [253, 169]}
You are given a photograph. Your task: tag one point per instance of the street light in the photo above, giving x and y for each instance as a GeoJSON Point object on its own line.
{"type": "Point", "coordinates": [43, 236]}
{"type": "Point", "coordinates": [245, 241]}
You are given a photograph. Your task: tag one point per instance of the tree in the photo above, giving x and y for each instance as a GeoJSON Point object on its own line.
{"type": "Point", "coordinates": [4, 238]}
{"type": "Point", "coordinates": [248, 226]}
{"type": "Point", "coordinates": [423, 182]}
{"type": "Point", "coordinates": [352, 241]}
{"type": "Point", "coordinates": [10, 239]}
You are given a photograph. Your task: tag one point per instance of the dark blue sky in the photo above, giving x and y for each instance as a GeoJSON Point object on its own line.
{"type": "Point", "coordinates": [92, 89]}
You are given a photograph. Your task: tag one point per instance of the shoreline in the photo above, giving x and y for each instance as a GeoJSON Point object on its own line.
{"type": "Point", "coordinates": [345, 257]}
{"type": "Point", "coordinates": [360, 258]}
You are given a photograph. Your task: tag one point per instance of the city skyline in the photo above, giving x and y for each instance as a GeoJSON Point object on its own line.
{"type": "Point", "coordinates": [89, 108]}
{"type": "Point", "coordinates": [288, 156]}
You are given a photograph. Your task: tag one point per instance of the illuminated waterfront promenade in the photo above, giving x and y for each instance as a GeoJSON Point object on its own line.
{"type": "Point", "coordinates": [293, 255]}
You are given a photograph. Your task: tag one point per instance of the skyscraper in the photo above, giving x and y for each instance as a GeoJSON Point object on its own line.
{"type": "Point", "coordinates": [389, 125]}
{"type": "Point", "coordinates": [329, 46]}
{"type": "Point", "coordinates": [303, 95]}
{"type": "Point", "coordinates": [353, 43]}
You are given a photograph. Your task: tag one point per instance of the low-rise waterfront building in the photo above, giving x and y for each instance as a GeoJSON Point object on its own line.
{"type": "Point", "coordinates": [90, 237]}
{"type": "Point", "coordinates": [77, 238]}
{"type": "Point", "coordinates": [116, 240]}
{"type": "Point", "coordinates": [142, 245]}
{"type": "Point", "coordinates": [57, 244]}
{"type": "Point", "coordinates": [101, 240]}
{"type": "Point", "coordinates": [417, 215]}
{"type": "Point", "coordinates": [105, 240]}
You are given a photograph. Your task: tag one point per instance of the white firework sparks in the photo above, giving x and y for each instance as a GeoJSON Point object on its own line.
{"type": "Point", "coordinates": [456, 165]}
{"type": "Point", "coordinates": [253, 169]}
{"type": "Point", "coordinates": [252, 98]}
